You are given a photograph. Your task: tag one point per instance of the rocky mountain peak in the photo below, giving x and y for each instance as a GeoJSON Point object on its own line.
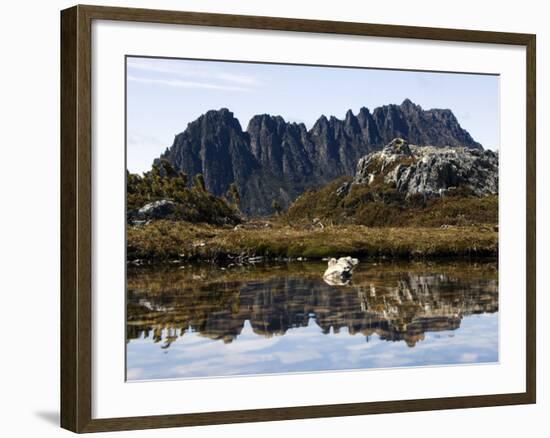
{"type": "Point", "coordinates": [350, 117]}
{"type": "Point", "coordinates": [266, 122]}
{"type": "Point", "coordinates": [321, 124]}
{"type": "Point", "coordinates": [274, 159]}
{"type": "Point", "coordinates": [409, 105]}
{"type": "Point", "coordinates": [220, 118]}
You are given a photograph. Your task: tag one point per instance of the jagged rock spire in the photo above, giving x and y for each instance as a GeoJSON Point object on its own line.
{"type": "Point", "coordinates": [274, 159]}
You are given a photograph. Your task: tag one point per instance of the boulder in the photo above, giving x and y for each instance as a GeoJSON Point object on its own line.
{"type": "Point", "coordinates": [157, 210]}
{"type": "Point", "coordinates": [339, 271]}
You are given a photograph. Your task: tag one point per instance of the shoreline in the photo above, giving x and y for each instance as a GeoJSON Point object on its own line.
{"type": "Point", "coordinates": [228, 263]}
{"type": "Point", "coordinates": [166, 242]}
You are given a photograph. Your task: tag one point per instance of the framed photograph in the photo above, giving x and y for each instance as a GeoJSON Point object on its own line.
{"type": "Point", "coordinates": [269, 218]}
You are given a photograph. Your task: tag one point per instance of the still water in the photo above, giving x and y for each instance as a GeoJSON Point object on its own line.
{"type": "Point", "coordinates": [205, 321]}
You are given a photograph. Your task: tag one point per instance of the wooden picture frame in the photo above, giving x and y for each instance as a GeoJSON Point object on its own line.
{"type": "Point", "coordinates": [76, 217]}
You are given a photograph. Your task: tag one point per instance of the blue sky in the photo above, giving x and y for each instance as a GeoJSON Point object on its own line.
{"type": "Point", "coordinates": [164, 95]}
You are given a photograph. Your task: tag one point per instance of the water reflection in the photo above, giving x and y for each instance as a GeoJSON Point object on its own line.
{"type": "Point", "coordinates": [401, 303]}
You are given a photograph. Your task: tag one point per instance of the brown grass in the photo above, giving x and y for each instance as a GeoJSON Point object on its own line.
{"type": "Point", "coordinates": [166, 240]}
{"type": "Point", "coordinates": [380, 205]}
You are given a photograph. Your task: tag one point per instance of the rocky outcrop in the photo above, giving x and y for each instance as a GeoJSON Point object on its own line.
{"type": "Point", "coordinates": [430, 171]}
{"type": "Point", "coordinates": [277, 160]}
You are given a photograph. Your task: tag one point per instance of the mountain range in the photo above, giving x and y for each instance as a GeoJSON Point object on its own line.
{"type": "Point", "coordinates": [277, 160]}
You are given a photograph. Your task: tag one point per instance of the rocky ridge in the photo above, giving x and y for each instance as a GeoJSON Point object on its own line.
{"type": "Point", "coordinates": [429, 171]}
{"type": "Point", "coordinates": [277, 160]}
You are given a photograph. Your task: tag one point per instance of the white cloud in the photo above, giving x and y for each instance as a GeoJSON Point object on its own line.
{"type": "Point", "coordinates": [186, 74]}
{"type": "Point", "coordinates": [186, 84]}
{"type": "Point", "coordinates": [142, 140]}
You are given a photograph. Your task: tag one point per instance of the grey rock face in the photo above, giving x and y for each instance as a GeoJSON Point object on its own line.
{"type": "Point", "coordinates": [274, 159]}
{"type": "Point", "coordinates": [215, 146]}
{"type": "Point", "coordinates": [437, 127]}
{"type": "Point", "coordinates": [430, 171]}
{"type": "Point", "coordinates": [156, 210]}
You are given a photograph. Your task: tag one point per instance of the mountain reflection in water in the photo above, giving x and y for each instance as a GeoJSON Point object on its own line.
{"type": "Point", "coordinates": [402, 303]}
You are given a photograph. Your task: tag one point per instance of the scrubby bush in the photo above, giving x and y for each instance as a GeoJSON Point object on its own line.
{"type": "Point", "coordinates": [192, 204]}
{"type": "Point", "coordinates": [381, 205]}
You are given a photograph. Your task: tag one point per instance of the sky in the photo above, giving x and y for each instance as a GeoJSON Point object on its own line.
{"type": "Point", "coordinates": [164, 95]}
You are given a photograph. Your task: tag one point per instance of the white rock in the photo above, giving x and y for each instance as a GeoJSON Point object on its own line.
{"type": "Point", "coordinates": [339, 271]}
